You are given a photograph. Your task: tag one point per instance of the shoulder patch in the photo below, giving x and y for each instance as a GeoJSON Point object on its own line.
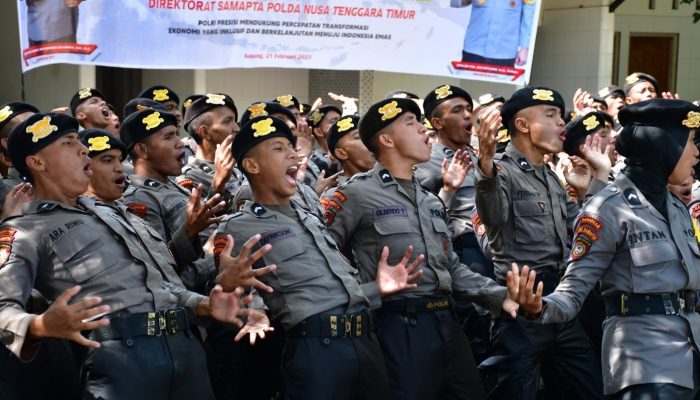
{"type": "Point", "coordinates": [186, 183]}
{"type": "Point", "coordinates": [138, 209]}
{"type": "Point", "coordinates": [7, 236]}
{"type": "Point", "coordinates": [151, 183]}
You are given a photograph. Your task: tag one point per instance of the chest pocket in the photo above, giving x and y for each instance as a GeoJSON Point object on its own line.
{"type": "Point", "coordinates": [653, 256]}
{"type": "Point", "coordinates": [396, 233]}
{"type": "Point", "coordinates": [83, 255]}
{"type": "Point", "coordinates": [531, 222]}
{"type": "Point", "coordinates": [293, 266]}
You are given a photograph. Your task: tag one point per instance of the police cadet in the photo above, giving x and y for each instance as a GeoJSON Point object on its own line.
{"type": "Point", "coordinates": [639, 87]}
{"type": "Point", "coordinates": [11, 115]}
{"type": "Point", "coordinates": [331, 350]}
{"type": "Point", "coordinates": [615, 99]}
{"type": "Point", "coordinates": [345, 145]}
{"type": "Point", "coordinates": [157, 153]}
{"type": "Point", "coordinates": [320, 121]}
{"type": "Point", "coordinates": [527, 215]}
{"type": "Point", "coordinates": [638, 240]}
{"type": "Point", "coordinates": [106, 277]}
{"type": "Point", "coordinates": [106, 153]}
{"type": "Point", "coordinates": [89, 106]}
{"type": "Point", "coordinates": [426, 353]}
{"type": "Point", "coordinates": [292, 103]}
{"type": "Point", "coordinates": [212, 122]}
{"type": "Point", "coordinates": [165, 96]}
{"type": "Point", "coordinates": [140, 103]}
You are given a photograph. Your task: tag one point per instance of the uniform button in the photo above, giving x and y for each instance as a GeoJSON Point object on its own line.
{"type": "Point", "coordinates": [646, 298]}
{"type": "Point", "coordinates": [326, 341]}
{"type": "Point", "coordinates": [413, 321]}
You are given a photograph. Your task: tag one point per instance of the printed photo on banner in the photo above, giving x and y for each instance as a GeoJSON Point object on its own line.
{"type": "Point", "coordinates": [489, 40]}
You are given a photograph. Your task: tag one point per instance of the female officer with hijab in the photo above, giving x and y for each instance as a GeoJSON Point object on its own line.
{"type": "Point", "coordinates": [637, 239]}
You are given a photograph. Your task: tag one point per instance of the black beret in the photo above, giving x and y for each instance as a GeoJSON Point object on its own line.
{"type": "Point", "coordinates": [579, 128]}
{"type": "Point", "coordinates": [82, 95]}
{"type": "Point", "coordinates": [441, 94]}
{"type": "Point", "coordinates": [317, 115]}
{"type": "Point", "coordinates": [10, 110]}
{"type": "Point", "coordinates": [288, 101]}
{"type": "Point", "coordinates": [611, 90]}
{"type": "Point", "coordinates": [208, 102]}
{"type": "Point", "coordinates": [35, 133]}
{"type": "Point", "coordinates": [304, 108]}
{"type": "Point", "coordinates": [528, 97]}
{"type": "Point", "coordinates": [638, 77]}
{"type": "Point", "coordinates": [663, 113]}
{"type": "Point", "coordinates": [341, 128]}
{"type": "Point", "coordinates": [141, 103]}
{"type": "Point", "coordinates": [160, 94]}
{"type": "Point", "coordinates": [382, 114]}
{"type": "Point", "coordinates": [143, 124]}
{"type": "Point", "coordinates": [490, 98]}
{"type": "Point", "coordinates": [188, 102]}
{"type": "Point", "coordinates": [598, 99]}
{"type": "Point", "coordinates": [258, 130]}
{"type": "Point", "coordinates": [98, 141]}
{"type": "Point", "coordinates": [262, 108]}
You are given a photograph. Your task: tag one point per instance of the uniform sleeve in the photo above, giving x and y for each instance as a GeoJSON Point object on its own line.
{"type": "Point", "coordinates": [594, 247]}
{"type": "Point", "coordinates": [18, 272]}
{"type": "Point", "coordinates": [343, 215]}
{"type": "Point", "coordinates": [492, 197]}
{"type": "Point", "coordinates": [526, 22]}
{"type": "Point", "coordinates": [142, 204]}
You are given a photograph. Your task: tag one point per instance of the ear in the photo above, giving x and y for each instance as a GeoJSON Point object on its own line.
{"type": "Point", "coordinates": [249, 164]}
{"type": "Point", "coordinates": [203, 132]}
{"type": "Point", "coordinates": [80, 116]}
{"type": "Point", "coordinates": [385, 140]}
{"type": "Point", "coordinates": [521, 125]}
{"type": "Point", "coordinates": [436, 123]}
{"type": "Point", "coordinates": [141, 150]}
{"type": "Point", "coordinates": [340, 154]}
{"type": "Point", "coordinates": [35, 163]}
{"type": "Point", "coordinates": [628, 100]}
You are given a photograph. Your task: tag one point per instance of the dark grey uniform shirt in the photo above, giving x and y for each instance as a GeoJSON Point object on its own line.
{"type": "Point", "coordinates": [163, 205]}
{"type": "Point", "coordinates": [461, 203]}
{"type": "Point", "coordinates": [526, 213]}
{"type": "Point", "coordinates": [110, 253]}
{"type": "Point", "coordinates": [312, 276]}
{"type": "Point", "coordinates": [372, 210]}
{"type": "Point", "coordinates": [626, 244]}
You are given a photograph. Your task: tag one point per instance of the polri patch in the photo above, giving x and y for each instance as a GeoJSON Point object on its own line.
{"type": "Point", "coordinates": [580, 248]}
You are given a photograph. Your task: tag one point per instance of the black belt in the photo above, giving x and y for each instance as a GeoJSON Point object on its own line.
{"type": "Point", "coordinates": [157, 323]}
{"type": "Point", "coordinates": [631, 304]}
{"type": "Point", "coordinates": [417, 305]}
{"type": "Point", "coordinates": [332, 326]}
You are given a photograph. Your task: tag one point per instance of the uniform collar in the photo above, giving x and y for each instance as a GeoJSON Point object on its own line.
{"type": "Point", "coordinates": [513, 153]}
{"type": "Point", "coordinates": [42, 206]}
{"type": "Point", "coordinates": [442, 150]}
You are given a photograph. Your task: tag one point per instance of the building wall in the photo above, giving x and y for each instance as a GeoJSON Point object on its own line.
{"type": "Point", "coordinates": [635, 17]}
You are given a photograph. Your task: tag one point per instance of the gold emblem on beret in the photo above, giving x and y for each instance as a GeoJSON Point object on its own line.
{"type": "Point", "coordinates": [427, 124]}
{"type": "Point", "coordinates": [505, 136]}
{"type": "Point", "coordinates": [543, 95]}
{"type": "Point", "coordinates": [160, 94]}
{"type": "Point", "coordinates": [390, 110]}
{"type": "Point", "coordinates": [140, 107]}
{"type": "Point", "coordinates": [152, 121]}
{"type": "Point", "coordinates": [216, 99]}
{"type": "Point", "coordinates": [41, 129]}
{"type": "Point", "coordinates": [301, 108]}
{"type": "Point", "coordinates": [285, 100]}
{"type": "Point", "coordinates": [99, 143]}
{"type": "Point", "coordinates": [84, 93]}
{"type": "Point", "coordinates": [485, 98]}
{"type": "Point", "coordinates": [263, 127]}
{"type": "Point", "coordinates": [442, 92]}
{"type": "Point", "coordinates": [591, 123]}
{"type": "Point", "coordinates": [316, 117]}
{"type": "Point", "coordinates": [5, 112]}
{"type": "Point", "coordinates": [632, 78]}
{"type": "Point", "coordinates": [604, 92]}
{"type": "Point", "coordinates": [345, 124]}
{"type": "Point", "coordinates": [187, 104]}
{"type": "Point", "coordinates": [257, 110]}
{"type": "Point", "coordinates": [693, 120]}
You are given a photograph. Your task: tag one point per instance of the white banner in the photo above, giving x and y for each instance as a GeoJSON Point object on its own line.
{"type": "Point", "coordinates": [490, 40]}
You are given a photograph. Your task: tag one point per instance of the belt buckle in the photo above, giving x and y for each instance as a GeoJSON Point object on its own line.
{"type": "Point", "coordinates": [162, 324]}
{"type": "Point", "coordinates": [172, 322]}
{"type": "Point", "coordinates": [358, 325]}
{"type": "Point", "coordinates": [151, 324]}
{"type": "Point", "coordinates": [348, 325]}
{"type": "Point", "coordinates": [623, 306]}
{"type": "Point", "coordinates": [334, 325]}
{"type": "Point", "coordinates": [668, 304]}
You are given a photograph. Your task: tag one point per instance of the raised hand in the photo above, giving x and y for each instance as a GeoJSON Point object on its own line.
{"type": "Point", "coordinates": [66, 321]}
{"type": "Point", "coordinates": [15, 198]}
{"type": "Point", "coordinates": [238, 271]}
{"type": "Point", "coordinates": [392, 279]}
{"type": "Point", "coordinates": [577, 174]}
{"type": "Point", "coordinates": [223, 165]}
{"type": "Point", "coordinates": [597, 152]}
{"type": "Point", "coordinates": [323, 183]}
{"type": "Point", "coordinates": [521, 289]}
{"type": "Point", "coordinates": [349, 103]}
{"type": "Point", "coordinates": [226, 306]}
{"type": "Point", "coordinates": [257, 325]}
{"type": "Point", "coordinates": [305, 139]}
{"type": "Point", "coordinates": [454, 174]}
{"type": "Point", "coordinates": [487, 124]}
{"type": "Point", "coordinates": [202, 214]}
{"type": "Point", "coordinates": [670, 95]}
{"type": "Point", "coordinates": [582, 101]}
